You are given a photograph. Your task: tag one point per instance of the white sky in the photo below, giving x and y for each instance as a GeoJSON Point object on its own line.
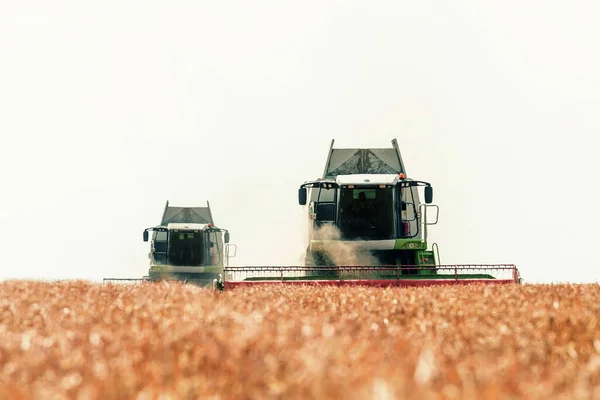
{"type": "Point", "coordinates": [107, 110]}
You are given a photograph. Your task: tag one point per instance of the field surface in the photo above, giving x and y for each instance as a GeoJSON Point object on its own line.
{"type": "Point", "coordinates": [92, 341]}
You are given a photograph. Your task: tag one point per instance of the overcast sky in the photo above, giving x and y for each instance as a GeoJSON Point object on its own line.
{"type": "Point", "coordinates": [109, 109]}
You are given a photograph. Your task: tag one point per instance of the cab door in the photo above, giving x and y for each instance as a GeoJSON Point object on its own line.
{"type": "Point", "coordinates": [214, 248]}
{"type": "Point", "coordinates": [158, 247]}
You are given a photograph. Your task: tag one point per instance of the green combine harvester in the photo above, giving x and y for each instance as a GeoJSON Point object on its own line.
{"type": "Point", "coordinates": [368, 226]}
{"type": "Point", "coordinates": [186, 246]}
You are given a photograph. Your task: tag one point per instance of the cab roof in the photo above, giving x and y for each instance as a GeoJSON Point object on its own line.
{"type": "Point", "coordinates": [367, 179]}
{"type": "Point", "coordinates": [185, 226]}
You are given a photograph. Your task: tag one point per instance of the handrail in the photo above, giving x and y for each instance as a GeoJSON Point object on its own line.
{"type": "Point", "coordinates": [435, 248]}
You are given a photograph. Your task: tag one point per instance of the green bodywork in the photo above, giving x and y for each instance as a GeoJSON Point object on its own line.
{"type": "Point", "coordinates": [409, 244]}
{"type": "Point", "coordinates": [412, 249]}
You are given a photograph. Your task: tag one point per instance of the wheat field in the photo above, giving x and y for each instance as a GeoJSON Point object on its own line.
{"type": "Point", "coordinates": [81, 340]}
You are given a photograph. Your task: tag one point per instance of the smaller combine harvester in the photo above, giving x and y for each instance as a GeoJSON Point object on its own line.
{"type": "Point", "coordinates": [186, 246]}
{"type": "Point", "coordinates": [368, 226]}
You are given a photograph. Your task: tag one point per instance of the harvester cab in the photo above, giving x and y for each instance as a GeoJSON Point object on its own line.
{"type": "Point", "coordinates": [187, 246]}
{"type": "Point", "coordinates": [368, 226]}
{"type": "Point", "coordinates": [376, 218]}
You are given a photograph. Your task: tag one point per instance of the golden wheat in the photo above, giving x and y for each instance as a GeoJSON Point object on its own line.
{"type": "Point", "coordinates": [91, 341]}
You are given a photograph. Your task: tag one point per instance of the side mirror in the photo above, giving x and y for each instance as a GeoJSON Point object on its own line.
{"type": "Point", "coordinates": [145, 236]}
{"type": "Point", "coordinates": [428, 194]}
{"type": "Point", "coordinates": [302, 196]}
{"type": "Point", "coordinates": [226, 237]}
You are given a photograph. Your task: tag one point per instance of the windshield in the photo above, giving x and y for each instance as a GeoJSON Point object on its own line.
{"type": "Point", "coordinates": [367, 213]}
{"type": "Point", "coordinates": [186, 248]}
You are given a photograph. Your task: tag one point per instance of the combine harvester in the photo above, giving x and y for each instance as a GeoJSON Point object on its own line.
{"type": "Point", "coordinates": [369, 227]}
{"type": "Point", "coordinates": [186, 246]}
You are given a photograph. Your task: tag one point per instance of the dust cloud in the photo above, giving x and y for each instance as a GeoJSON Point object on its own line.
{"type": "Point", "coordinates": [342, 253]}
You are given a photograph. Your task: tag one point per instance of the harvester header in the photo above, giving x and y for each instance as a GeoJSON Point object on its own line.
{"type": "Point", "coordinates": [379, 276]}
